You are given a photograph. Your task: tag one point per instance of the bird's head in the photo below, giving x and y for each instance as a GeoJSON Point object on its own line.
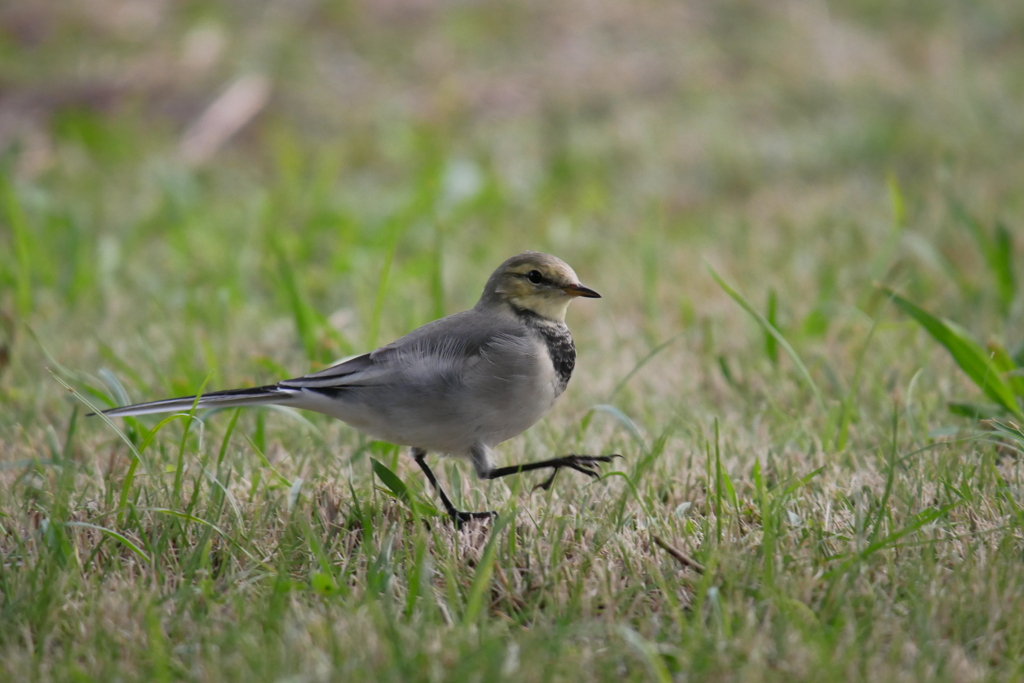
{"type": "Point", "coordinates": [535, 282]}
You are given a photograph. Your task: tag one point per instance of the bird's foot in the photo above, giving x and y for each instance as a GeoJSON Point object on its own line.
{"type": "Point", "coordinates": [587, 464]}
{"type": "Point", "coordinates": [460, 517]}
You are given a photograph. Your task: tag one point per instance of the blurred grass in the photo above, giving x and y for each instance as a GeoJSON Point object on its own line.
{"type": "Point", "coordinates": [808, 151]}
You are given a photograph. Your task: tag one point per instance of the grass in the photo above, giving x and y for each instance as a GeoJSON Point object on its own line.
{"type": "Point", "coordinates": [804, 495]}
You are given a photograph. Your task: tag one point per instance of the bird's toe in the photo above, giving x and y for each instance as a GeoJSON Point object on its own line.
{"type": "Point", "coordinates": [588, 464]}
{"type": "Point", "coordinates": [461, 517]}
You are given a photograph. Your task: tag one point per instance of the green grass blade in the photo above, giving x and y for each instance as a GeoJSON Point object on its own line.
{"type": "Point", "coordinates": [883, 505]}
{"type": "Point", "coordinates": [158, 648]}
{"type": "Point", "coordinates": [642, 362]}
{"type": "Point", "coordinates": [625, 421]}
{"type": "Point", "coordinates": [179, 470]}
{"type": "Point", "coordinates": [21, 234]}
{"type": "Point", "coordinates": [899, 210]}
{"type": "Point", "coordinates": [69, 436]}
{"type": "Point", "coordinates": [768, 527]}
{"type": "Point", "coordinates": [918, 522]}
{"type": "Point", "coordinates": [884, 254]}
{"type": "Point", "coordinates": [718, 485]}
{"type": "Point", "coordinates": [392, 481]}
{"type": "Point", "coordinates": [803, 481]}
{"type": "Point", "coordinates": [121, 538]}
{"type": "Point", "coordinates": [842, 429]}
{"type": "Point", "coordinates": [997, 251]}
{"type": "Point", "coordinates": [227, 437]}
{"type": "Point", "coordinates": [1000, 262]}
{"type": "Point", "coordinates": [976, 411]}
{"type": "Point", "coordinates": [770, 330]}
{"type": "Point", "coordinates": [1008, 367]}
{"type": "Point", "coordinates": [484, 570]}
{"type": "Point", "coordinates": [771, 346]}
{"type": "Point", "coordinates": [971, 358]}
{"type": "Point", "coordinates": [229, 538]}
{"type": "Point", "coordinates": [98, 412]}
{"type": "Point", "coordinates": [649, 653]}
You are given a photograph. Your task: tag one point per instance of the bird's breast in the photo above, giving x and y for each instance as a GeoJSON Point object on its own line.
{"type": "Point", "coordinates": [561, 351]}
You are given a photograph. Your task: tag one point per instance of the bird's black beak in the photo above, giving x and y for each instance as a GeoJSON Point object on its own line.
{"type": "Point", "coordinates": [580, 290]}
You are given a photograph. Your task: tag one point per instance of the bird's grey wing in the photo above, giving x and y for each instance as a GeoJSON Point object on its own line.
{"type": "Point", "coordinates": [470, 329]}
{"type": "Point", "coordinates": [433, 350]}
{"type": "Point", "coordinates": [355, 371]}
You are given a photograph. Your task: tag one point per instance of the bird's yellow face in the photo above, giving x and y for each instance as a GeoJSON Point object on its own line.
{"type": "Point", "coordinates": [539, 283]}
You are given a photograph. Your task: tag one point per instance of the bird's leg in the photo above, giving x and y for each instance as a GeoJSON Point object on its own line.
{"type": "Point", "coordinates": [587, 464]}
{"type": "Point", "coordinates": [457, 515]}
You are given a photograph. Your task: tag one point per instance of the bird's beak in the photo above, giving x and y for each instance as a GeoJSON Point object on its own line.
{"type": "Point", "coordinates": [580, 290]}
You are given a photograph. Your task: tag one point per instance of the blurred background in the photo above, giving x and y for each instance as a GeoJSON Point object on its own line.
{"type": "Point", "coordinates": [224, 193]}
{"type": "Point", "coordinates": [255, 188]}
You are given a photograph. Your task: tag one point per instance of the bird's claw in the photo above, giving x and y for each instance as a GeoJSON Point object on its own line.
{"type": "Point", "coordinates": [586, 464]}
{"type": "Point", "coordinates": [461, 517]}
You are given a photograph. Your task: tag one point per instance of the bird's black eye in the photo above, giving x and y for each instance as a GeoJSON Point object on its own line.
{"type": "Point", "coordinates": [535, 277]}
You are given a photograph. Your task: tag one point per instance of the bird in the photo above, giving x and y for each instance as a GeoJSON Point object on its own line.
{"type": "Point", "coordinates": [457, 386]}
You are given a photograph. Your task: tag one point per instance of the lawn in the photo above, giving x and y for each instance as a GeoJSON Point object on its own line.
{"type": "Point", "coordinates": [781, 204]}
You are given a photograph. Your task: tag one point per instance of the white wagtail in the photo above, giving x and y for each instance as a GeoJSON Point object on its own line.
{"type": "Point", "coordinates": [459, 385]}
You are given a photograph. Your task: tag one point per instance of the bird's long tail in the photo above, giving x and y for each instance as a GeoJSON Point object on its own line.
{"type": "Point", "coordinates": [216, 399]}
